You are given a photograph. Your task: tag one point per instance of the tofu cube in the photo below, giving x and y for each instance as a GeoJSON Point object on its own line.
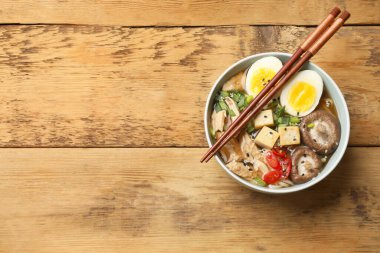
{"type": "Point", "coordinates": [266, 138]}
{"type": "Point", "coordinates": [289, 135]}
{"type": "Point", "coordinates": [264, 118]}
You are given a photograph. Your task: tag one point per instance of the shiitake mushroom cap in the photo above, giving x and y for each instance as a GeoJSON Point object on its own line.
{"type": "Point", "coordinates": [320, 130]}
{"type": "Point", "coordinates": [306, 165]}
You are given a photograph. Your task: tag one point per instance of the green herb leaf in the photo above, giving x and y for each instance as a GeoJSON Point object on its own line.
{"type": "Point", "coordinates": [295, 120]}
{"type": "Point", "coordinates": [231, 113]}
{"type": "Point", "coordinates": [248, 100]}
{"type": "Point", "coordinates": [311, 125]}
{"type": "Point", "coordinates": [273, 104]}
{"type": "Point", "coordinates": [241, 102]}
{"type": "Point", "coordinates": [217, 107]}
{"type": "Point", "coordinates": [224, 93]}
{"type": "Point", "coordinates": [283, 120]}
{"type": "Point", "coordinates": [236, 97]}
{"type": "Point", "coordinates": [223, 105]}
{"type": "Point", "coordinates": [212, 132]}
{"type": "Point", "coordinates": [259, 181]}
{"type": "Point", "coordinates": [280, 110]}
{"type": "Point", "coordinates": [250, 128]}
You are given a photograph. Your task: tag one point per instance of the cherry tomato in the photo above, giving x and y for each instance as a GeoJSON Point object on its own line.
{"type": "Point", "coordinates": [278, 159]}
{"type": "Point", "coordinates": [286, 166]}
{"type": "Point", "coordinates": [272, 176]}
{"type": "Point", "coordinates": [273, 161]}
{"type": "Point", "coordinates": [279, 152]}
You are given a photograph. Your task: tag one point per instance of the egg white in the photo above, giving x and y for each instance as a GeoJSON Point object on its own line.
{"type": "Point", "coordinates": [269, 62]}
{"type": "Point", "coordinates": [309, 76]}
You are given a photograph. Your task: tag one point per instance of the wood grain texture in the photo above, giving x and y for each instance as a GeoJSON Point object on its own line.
{"type": "Point", "coordinates": [80, 86]}
{"type": "Point", "coordinates": [162, 200]}
{"type": "Point", "coordinates": [184, 12]}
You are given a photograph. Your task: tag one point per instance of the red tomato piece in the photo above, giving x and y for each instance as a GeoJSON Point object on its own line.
{"type": "Point", "coordinates": [279, 152]}
{"type": "Point", "coordinates": [286, 166]}
{"type": "Point", "coordinates": [273, 161]}
{"type": "Point", "coordinates": [272, 176]}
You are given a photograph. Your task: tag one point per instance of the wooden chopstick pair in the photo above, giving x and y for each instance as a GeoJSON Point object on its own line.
{"type": "Point", "coordinates": [313, 43]}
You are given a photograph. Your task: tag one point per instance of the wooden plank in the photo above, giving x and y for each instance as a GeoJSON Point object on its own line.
{"type": "Point", "coordinates": [184, 13]}
{"type": "Point", "coordinates": [79, 86]}
{"type": "Point", "coordinates": [139, 200]}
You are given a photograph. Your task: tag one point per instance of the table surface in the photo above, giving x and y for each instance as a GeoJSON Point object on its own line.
{"type": "Point", "coordinates": [101, 115]}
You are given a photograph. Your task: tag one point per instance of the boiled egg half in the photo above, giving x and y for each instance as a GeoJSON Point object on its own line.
{"type": "Point", "coordinates": [302, 93]}
{"type": "Point", "coordinates": [260, 73]}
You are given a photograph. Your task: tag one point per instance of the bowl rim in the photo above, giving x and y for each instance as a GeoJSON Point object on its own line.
{"type": "Point", "coordinates": [296, 188]}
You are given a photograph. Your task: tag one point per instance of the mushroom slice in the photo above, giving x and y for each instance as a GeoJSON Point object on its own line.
{"type": "Point", "coordinates": [241, 170]}
{"type": "Point", "coordinates": [305, 165]}
{"type": "Point", "coordinates": [233, 107]}
{"type": "Point", "coordinates": [231, 151]}
{"type": "Point", "coordinates": [248, 147]}
{"type": "Point", "coordinates": [217, 120]}
{"type": "Point", "coordinates": [320, 131]}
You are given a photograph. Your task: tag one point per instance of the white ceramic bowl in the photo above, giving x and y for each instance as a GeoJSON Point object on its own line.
{"type": "Point", "coordinates": [333, 90]}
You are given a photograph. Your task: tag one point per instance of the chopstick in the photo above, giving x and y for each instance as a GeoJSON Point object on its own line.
{"type": "Point", "coordinates": [312, 45]}
{"type": "Point", "coordinates": [312, 37]}
{"type": "Point", "coordinates": [300, 50]}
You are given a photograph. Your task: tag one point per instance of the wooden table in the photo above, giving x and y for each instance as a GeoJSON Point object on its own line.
{"type": "Point", "coordinates": [101, 113]}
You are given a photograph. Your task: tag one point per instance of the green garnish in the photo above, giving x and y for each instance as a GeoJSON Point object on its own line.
{"type": "Point", "coordinates": [280, 110]}
{"type": "Point", "coordinates": [241, 103]}
{"type": "Point", "coordinates": [259, 181]}
{"type": "Point", "coordinates": [241, 99]}
{"type": "Point", "coordinates": [224, 93]}
{"type": "Point", "coordinates": [231, 113]}
{"type": "Point", "coordinates": [236, 97]}
{"type": "Point", "coordinates": [217, 107]}
{"type": "Point", "coordinates": [283, 120]}
{"type": "Point", "coordinates": [295, 120]}
{"type": "Point", "coordinates": [273, 104]}
{"type": "Point", "coordinates": [219, 97]}
{"type": "Point", "coordinates": [250, 128]}
{"type": "Point", "coordinates": [212, 132]}
{"type": "Point", "coordinates": [223, 105]}
{"type": "Point", "coordinates": [248, 100]}
{"type": "Point", "coordinates": [311, 125]}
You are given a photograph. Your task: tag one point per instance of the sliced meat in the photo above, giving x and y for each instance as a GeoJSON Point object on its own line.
{"type": "Point", "coordinates": [305, 165]}
{"type": "Point", "coordinates": [218, 120]}
{"type": "Point", "coordinates": [320, 131]}
{"type": "Point", "coordinates": [231, 151]}
{"type": "Point", "coordinates": [229, 122]}
{"type": "Point", "coordinates": [235, 82]}
{"type": "Point", "coordinates": [241, 170]}
{"type": "Point", "coordinates": [260, 167]}
{"type": "Point", "coordinates": [249, 148]}
{"type": "Point", "coordinates": [233, 107]}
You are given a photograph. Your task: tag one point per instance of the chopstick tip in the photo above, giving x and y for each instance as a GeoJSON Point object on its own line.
{"type": "Point", "coordinates": [335, 12]}
{"type": "Point", "coordinates": [345, 15]}
{"type": "Point", "coordinates": [204, 158]}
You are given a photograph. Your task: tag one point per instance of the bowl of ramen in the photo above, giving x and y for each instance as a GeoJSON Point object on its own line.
{"type": "Point", "coordinates": [295, 141]}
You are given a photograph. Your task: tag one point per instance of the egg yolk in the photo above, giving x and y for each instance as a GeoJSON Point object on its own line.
{"type": "Point", "coordinates": [259, 79]}
{"type": "Point", "coordinates": [301, 96]}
